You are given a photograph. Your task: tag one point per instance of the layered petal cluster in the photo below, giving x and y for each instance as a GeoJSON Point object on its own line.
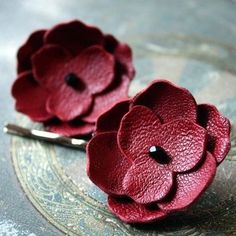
{"type": "Point", "coordinates": [157, 152]}
{"type": "Point", "coordinates": [69, 75]}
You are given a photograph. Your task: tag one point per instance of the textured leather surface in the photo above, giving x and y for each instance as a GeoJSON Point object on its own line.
{"type": "Point", "coordinates": [218, 129]}
{"type": "Point", "coordinates": [94, 69]}
{"type": "Point", "coordinates": [168, 101]}
{"type": "Point", "coordinates": [33, 96]}
{"type": "Point", "coordinates": [104, 101]}
{"type": "Point", "coordinates": [122, 53]}
{"type": "Point", "coordinates": [74, 36]}
{"type": "Point", "coordinates": [131, 212]}
{"type": "Point", "coordinates": [148, 183]}
{"type": "Point", "coordinates": [93, 66]}
{"type": "Point", "coordinates": [190, 185]}
{"type": "Point", "coordinates": [190, 42]}
{"type": "Point", "coordinates": [32, 44]}
{"type": "Point", "coordinates": [48, 63]}
{"type": "Point", "coordinates": [107, 172]}
{"type": "Point", "coordinates": [105, 123]}
{"type": "Point", "coordinates": [136, 130]}
{"type": "Point", "coordinates": [183, 140]}
{"type": "Point", "coordinates": [67, 104]}
{"type": "Point", "coordinates": [101, 66]}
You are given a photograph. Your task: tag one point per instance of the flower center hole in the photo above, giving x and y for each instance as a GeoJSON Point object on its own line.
{"type": "Point", "coordinates": [159, 154]}
{"type": "Point", "coordinates": [74, 81]}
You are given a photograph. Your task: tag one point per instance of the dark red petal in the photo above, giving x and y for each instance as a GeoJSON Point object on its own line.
{"type": "Point", "coordinates": [190, 186]}
{"type": "Point", "coordinates": [168, 101]}
{"type": "Point", "coordinates": [106, 165]}
{"type": "Point", "coordinates": [49, 66]}
{"type": "Point", "coordinates": [67, 103]}
{"type": "Point", "coordinates": [218, 128]}
{"type": "Point", "coordinates": [74, 36]}
{"type": "Point", "coordinates": [70, 129]}
{"type": "Point", "coordinates": [123, 55]}
{"type": "Point", "coordinates": [132, 212]}
{"type": "Point", "coordinates": [147, 182]}
{"type": "Point", "coordinates": [184, 141]}
{"type": "Point", "coordinates": [33, 43]}
{"type": "Point", "coordinates": [95, 67]}
{"type": "Point", "coordinates": [110, 43]}
{"type": "Point", "coordinates": [104, 101]}
{"type": "Point", "coordinates": [30, 97]}
{"type": "Point", "coordinates": [110, 120]}
{"type": "Point", "coordinates": [136, 131]}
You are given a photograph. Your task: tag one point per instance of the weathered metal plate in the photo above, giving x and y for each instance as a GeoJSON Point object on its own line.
{"type": "Point", "coordinates": [54, 178]}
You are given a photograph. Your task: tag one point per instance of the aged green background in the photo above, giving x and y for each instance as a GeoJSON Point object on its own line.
{"type": "Point", "coordinates": [192, 43]}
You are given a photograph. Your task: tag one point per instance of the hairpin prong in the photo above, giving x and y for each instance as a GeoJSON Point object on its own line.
{"type": "Point", "coordinates": [45, 136]}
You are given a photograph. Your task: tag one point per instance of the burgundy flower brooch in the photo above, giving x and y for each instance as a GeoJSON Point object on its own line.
{"type": "Point", "coordinates": [69, 75]}
{"type": "Point", "coordinates": [153, 154]}
{"type": "Point", "coordinates": [156, 153]}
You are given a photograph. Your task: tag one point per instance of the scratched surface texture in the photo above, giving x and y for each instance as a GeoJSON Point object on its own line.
{"type": "Point", "coordinates": [43, 188]}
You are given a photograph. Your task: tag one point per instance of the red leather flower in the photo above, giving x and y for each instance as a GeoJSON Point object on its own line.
{"type": "Point", "coordinates": [156, 153]}
{"type": "Point", "coordinates": [69, 75]}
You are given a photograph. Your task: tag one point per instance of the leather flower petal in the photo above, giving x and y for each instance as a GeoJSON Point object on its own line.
{"type": "Point", "coordinates": [107, 172]}
{"type": "Point", "coordinates": [107, 99]}
{"type": "Point", "coordinates": [74, 36]}
{"type": "Point", "coordinates": [31, 98]}
{"type": "Point", "coordinates": [80, 75]}
{"type": "Point", "coordinates": [33, 43]}
{"type": "Point", "coordinates": [218, 128]}
{"type": "Point", "coordinates": [94, 67]}
{"type": "Point", "coordinates": [49, 66]}
{"type": "Point", "coordinates": [136, 129]}
{"type": "Point", "coordinates": [147, 182]}
{"type": "Point", "coordinates": [72, 128]}
{"type": "Point", "coordinates": [110, 120]}
{"type": "Point", "coordinates": [110, 43]}
{"type": "Point", "coordinates": [173, 147]}
{"type": "Point", "coordinates": [183, 140]}
{"type": "Point", "coordinates": [168, 101]}
{"type": "Point", "coordinates": [123, 55]}
{"type": "Point", "coordinates": [190, 186]}
{"type": "Point", "coordinates": [66, 103]}
{"type": "Point", "coordinates": [132, 212]}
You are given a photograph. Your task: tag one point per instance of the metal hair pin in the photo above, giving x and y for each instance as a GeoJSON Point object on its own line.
{"type": "Point", "coordinates": [45, 136]}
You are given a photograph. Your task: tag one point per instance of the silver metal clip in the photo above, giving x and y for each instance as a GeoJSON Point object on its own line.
{"type": "Point", "coordinates": [45, 136]}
